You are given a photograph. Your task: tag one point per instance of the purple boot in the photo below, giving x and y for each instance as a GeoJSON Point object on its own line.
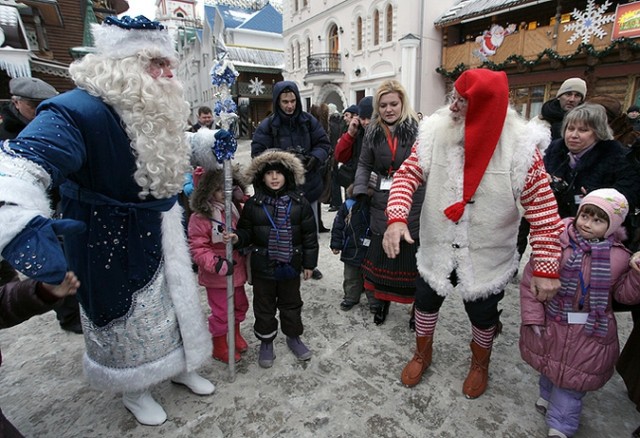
{"type": "Point", "coordinates": [298, 348]}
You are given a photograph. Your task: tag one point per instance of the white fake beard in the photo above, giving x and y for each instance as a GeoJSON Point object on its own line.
{"type": "Point", "coordinates": [154, 114]}
{"type": "Point", "coordinates": [156, 124]}
{"type": "Point", "coordinates": [455, 129]}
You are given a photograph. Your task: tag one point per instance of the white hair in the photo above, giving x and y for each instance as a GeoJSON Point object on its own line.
{"type": "Point", "coordinates": [154, 114]}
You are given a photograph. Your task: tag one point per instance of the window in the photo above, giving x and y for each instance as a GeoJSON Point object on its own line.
{"type": "Point", "coordinates": [376, 28]}
{"type": "Point", "coordinates": [295, 5]}
{"type": "Point", "coordinates": [309, 47]}
{"type": "Point", "coordinates": [389, 24]}
{"type": "Point", "coordinates": [293, 58]}
{"type": "Point", "coordinates": [334, 41]}
{"type": "Point", "coordinates": [528, 100]}
{"type": "Point", "coordinates": [359, 33]}
{"type": "Point", "coordinates": [305, 3]}
{"type": "Point", "coordinates": [298, 53]}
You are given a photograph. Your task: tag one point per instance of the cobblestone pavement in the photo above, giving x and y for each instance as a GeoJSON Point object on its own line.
{"type": "Point", "coordinates": [350, 388]}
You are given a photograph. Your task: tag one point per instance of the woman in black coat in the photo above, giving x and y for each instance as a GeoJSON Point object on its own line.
{"type": "Point", "coordinates": [587, 158]}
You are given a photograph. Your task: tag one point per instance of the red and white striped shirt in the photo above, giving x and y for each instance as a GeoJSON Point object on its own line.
{"type": "Point", "coordinates": [537, 199]}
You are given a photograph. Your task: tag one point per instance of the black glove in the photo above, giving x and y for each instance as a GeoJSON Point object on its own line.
{"type": "Point", "coordinates": [312, 164]}
{"type": "Point", "coordinates": [224, 266]}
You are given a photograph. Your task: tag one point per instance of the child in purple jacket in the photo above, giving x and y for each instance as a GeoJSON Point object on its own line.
{"type": "Point", "coordinates": [572, 339]}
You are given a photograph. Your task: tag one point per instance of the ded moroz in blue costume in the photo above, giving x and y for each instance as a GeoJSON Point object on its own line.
{"type": "Point", "coordinates": [116, 148]}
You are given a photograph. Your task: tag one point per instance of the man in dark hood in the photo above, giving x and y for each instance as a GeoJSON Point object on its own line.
{"type": "Point", "coordinates": [291, 129]}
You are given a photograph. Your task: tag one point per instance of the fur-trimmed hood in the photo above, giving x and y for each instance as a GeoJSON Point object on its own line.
{"type": "Point", "coordinates": [294, 173]}
{"type": "Point", "coordinates": [210, 182]}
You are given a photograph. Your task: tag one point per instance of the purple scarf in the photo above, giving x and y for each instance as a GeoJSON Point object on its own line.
{"type": "Point", "coordinates": [571, 278]}
{"type": "Point", "coordinates": [280, 237]}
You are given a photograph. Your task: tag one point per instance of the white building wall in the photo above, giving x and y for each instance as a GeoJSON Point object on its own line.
{"type": "Point", "coordinates": [365, 69]}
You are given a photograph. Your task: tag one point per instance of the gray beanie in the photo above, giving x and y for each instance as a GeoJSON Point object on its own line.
{"type": "Point", "coordinates": [573, 84]}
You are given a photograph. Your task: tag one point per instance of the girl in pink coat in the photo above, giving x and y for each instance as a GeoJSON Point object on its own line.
{"type": "Point", "coordinates": [572, 339]}
{"type": "Point", "coordinates": [206, 225]}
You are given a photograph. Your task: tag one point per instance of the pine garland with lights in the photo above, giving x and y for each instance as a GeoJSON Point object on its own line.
{"type": "Point", "coordinates": [520, 60]}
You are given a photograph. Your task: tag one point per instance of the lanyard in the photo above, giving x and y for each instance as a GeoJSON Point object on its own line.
{"type": "Point", "coordinates": [273, 224]}
{"type": "Point", "coordinates": [583, 291]}
{"type": "Point", "coordinates": [222, 225]}
{"type": "Point", "coordinates": [393, 147]}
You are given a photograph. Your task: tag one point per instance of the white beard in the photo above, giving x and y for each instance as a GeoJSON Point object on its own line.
{"type": "Point", "coordinates": [154, 115]}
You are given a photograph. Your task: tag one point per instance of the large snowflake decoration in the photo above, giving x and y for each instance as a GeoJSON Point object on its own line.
{"type": "Point", "coordinates": [256, 86]}
{"type": "Point", "coordinates": [588, 22]}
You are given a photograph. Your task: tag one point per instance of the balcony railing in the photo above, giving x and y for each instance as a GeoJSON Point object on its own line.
{"type": "Point", "coordinates": [323, 63]}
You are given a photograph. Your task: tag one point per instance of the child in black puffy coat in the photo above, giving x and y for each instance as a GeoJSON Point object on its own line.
{"type": "Point", "coordinates": [279, 225]}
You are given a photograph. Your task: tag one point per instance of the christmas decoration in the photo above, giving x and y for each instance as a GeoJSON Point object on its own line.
{"type": "Point", "coordinates": [589, 22]}
{"type": "Point", "coordinates": [625, 45]}
{"type": "Point", "coordinates": [256, 86]}
{"type": "Point", "coordinates": [491, 39]}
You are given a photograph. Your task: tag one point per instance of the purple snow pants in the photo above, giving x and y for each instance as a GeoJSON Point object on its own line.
{"type": "Point", "coordinates": [565, 406]}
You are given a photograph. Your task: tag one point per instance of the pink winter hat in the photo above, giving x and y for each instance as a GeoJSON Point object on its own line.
{"type": "Point", "coordinates": [613, 203]}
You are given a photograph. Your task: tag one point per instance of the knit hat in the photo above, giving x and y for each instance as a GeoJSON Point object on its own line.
{"type": "Point", "coordinates": [487, 95]}
{"type": "Point", "coordinates": [353, 109]}
{"type": "Point", "coordinates": [633, 108]}
{"type": "Point", "coordinates": [124, 37]}
{"type": "Point", "coordinates": [365, 107]}
{"type": "Point", "coordinates": [573, 84]}
{"type": "Point", "coordinates": [31, 88]}
{"type": "Point", "coordinates": [612, 202]}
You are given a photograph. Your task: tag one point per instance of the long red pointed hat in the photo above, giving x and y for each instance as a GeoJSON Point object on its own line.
{"type": "Point", "coordinates": [487, 95]}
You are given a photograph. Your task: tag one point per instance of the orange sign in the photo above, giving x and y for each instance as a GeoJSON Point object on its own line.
{"type": "Point", "coordinates": [627, 22]}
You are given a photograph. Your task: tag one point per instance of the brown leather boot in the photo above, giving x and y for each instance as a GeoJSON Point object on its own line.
{"type": "Point", "coordinates": [412, 372]}
{"type": "Point", "coordinates": [476, 382]}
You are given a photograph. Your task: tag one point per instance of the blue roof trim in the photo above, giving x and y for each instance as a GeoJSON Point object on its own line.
{"type": "Point", "coordinates": [267, 19]}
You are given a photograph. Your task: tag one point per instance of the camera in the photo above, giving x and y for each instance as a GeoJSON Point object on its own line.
{"type": "Point", "coordinates": [559, 185]}
{"type": "Point", "coordinates": [302, 155]}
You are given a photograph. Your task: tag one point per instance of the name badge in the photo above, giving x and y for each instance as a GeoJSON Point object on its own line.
{"type": "Point", "coordinates": [385, 183]}
{"type": "Point", "coordinates": [577, 317]}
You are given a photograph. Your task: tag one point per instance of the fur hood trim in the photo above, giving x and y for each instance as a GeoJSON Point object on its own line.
{"type": "Point", "coordinates": [211, 181]}
{"type": "Point", "coordinates": [255, 171]}
{"type": "Point", "coordinates": [406, 132]}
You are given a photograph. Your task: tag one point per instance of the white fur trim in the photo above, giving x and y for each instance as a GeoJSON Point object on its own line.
{"type": "Point", "coordinates": [115, 42]}
{"type": "Point", "coordinates": [481, 246]}
{"type": "Point", "coordinates": [184, 290]}
{"type": "Point", "coordinates": [133, 379]}
{"type": "Point", "coordinates": [201, 152]}
{"type": "Point", "coordinates": [540, 133]}
{"type": "Point", "coordinates": [23, 183]}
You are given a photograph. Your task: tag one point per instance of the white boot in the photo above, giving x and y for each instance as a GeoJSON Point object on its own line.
{"type": "Point", "coordinates": [146, 410]}
{"type": "Point", "coordinates": [196, 383]}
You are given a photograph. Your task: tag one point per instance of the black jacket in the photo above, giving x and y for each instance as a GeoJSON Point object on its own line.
{"type": "Point", "coordinates": [606, 165]}
{"type": "Point", "coordinates": [254, 225]}
{"type": "Point", "coordinates": [350, 228]}
{"type": "Point", "coordinates": [300, 133]}
{"type": "Point", "coordinates": [12, 122]}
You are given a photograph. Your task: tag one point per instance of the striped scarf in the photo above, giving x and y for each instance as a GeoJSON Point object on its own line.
{"type": "Point", "coordinates": [280, 237]}
{"type": "Point", "coordinates": [598, 288]}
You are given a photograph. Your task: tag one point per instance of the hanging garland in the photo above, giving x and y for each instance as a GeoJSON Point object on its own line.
{"type": "Point", "coordinates": [546, 53]}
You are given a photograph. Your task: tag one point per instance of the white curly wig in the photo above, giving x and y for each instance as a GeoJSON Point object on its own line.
{"type": "Point", "coordinates": [153, 111]}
